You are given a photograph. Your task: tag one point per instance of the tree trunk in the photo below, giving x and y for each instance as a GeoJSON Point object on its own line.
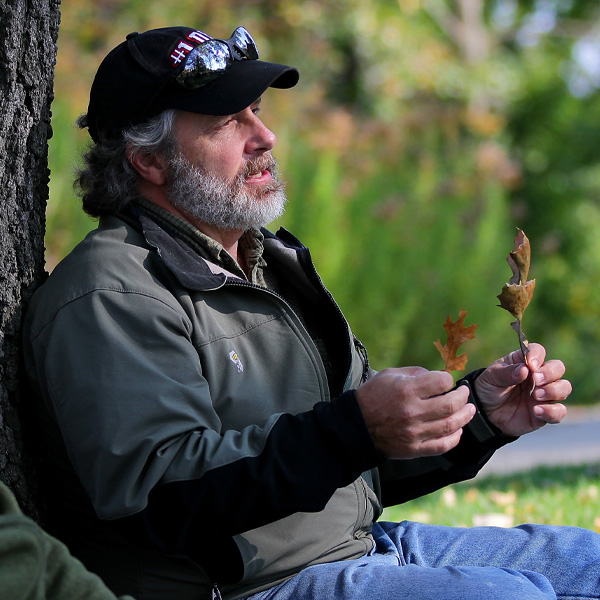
{"type": "Point", "coordinates": [28, 34]}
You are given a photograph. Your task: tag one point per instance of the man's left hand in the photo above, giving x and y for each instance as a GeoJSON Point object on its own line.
{"type": "Point", "coordinates": [504, 392]}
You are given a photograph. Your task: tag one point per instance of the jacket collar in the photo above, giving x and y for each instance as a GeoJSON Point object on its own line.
{"type": "Point", "coordinates": [189, 268]}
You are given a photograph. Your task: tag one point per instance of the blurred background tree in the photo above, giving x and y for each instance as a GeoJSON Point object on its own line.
{"type": "Point", "coordinates": [422, 133]}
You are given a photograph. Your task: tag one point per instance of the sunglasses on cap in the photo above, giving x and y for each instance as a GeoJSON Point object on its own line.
{"type": "Point", "coordinates": [210, 59]}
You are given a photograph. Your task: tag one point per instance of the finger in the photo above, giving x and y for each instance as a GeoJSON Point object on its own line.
{"type": "Point", "coordinates": [445, 405]}
{"type": "Point", "coordinates": [550, 413]}
{"type": "Point", "coordinates": [449, 424]}
{"type": "Point", "coordinates": [553, 370]}
{"type": "Point", "coordinates": [555, 391]}
{"type": "Point", "coordinates": [437, 446]}
{"type": "Point", "coordinates": [446, 433]}
{"type": "Point", "coordinates": [535, 356]}
{"type": "Point", "coordinates": [410, 371]}
{"type": "Point", "coordinates": [432, 383]}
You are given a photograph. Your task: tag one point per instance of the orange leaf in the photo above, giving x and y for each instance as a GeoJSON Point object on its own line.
{"type": "Point", "coordinates": [457, 334]}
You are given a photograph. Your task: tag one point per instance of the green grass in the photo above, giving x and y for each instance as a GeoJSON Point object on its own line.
{"type": "Point", "coordinates": [553, 495]}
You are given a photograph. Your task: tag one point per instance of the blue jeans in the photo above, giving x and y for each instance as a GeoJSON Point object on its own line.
{"type": "Point", "coordinates": [413, 561]}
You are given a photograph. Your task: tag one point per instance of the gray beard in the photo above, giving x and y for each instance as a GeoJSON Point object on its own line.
{"type": "Point", "coordinates": [222, 204]}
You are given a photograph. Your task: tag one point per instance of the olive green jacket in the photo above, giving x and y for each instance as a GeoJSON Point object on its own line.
{"type": "Point", "coordinates": [36, 566]}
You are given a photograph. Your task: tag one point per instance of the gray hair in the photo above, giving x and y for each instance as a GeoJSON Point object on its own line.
{"type": "Point", "coordinates": [108, 181]}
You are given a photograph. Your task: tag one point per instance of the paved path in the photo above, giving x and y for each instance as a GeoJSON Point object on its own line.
{"type": "Point", "coordinates": [575, 441]}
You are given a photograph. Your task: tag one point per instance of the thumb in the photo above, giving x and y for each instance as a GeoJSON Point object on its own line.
{"type": "Point", "coordinates": [519, 373]}
{"type": "Point", "coordinates": [503, 374]}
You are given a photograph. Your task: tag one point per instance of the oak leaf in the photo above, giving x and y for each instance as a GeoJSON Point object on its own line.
{"type": "Point", "coordinates": [457, 334]}
{"type": "Point", "coordinates": [517, 293]}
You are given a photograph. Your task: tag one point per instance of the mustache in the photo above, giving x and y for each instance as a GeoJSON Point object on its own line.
{"type": "Point", "coordinates": [265, 162]}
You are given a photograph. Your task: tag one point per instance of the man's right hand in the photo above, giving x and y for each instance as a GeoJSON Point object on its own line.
{"type": "Point", "coordinates": [408, 413]}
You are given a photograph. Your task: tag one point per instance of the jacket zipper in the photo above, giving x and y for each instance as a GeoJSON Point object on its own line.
{"type": "Point", "coordinates": [365, 358]}
{"type": "Point", "coordinates": [311, 272]}
{"type": "Point", "coordinates": [216, 594]}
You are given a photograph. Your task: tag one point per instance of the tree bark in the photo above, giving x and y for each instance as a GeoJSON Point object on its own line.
{"type": "Point", "coordinates": [28, 35]}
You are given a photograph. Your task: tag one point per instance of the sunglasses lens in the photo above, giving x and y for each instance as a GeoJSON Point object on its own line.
{"type": "Point", "coordinates": [210, 59]}
{"type": "Point", "coordinates": [205, 63]}
{"type": "Point", "coordinates": [243, 44]}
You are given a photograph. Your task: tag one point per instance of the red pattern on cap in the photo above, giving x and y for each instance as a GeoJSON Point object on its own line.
{"type": "Point", "coordinates": [183, 48]}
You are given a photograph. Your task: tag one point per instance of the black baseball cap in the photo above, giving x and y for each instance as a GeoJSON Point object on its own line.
{"type": "Point", "coordinates": [139, 79]}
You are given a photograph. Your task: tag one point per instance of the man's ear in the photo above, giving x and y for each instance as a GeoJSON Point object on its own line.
{"type": "Point", "coordinates": [151, 167]}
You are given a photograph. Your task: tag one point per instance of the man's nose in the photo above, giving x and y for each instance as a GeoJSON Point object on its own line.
{"type": "Point", "coordinates": [261, 138]}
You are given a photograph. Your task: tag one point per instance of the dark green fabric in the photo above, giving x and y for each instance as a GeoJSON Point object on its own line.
{"type": "Point", "coordinates": [36, 566]}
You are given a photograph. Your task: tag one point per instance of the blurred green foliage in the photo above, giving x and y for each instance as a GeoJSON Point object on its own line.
{"type": "Point", "coordinates": [422, 133]}
{"type": "Point", "coordinates": [560, 495]}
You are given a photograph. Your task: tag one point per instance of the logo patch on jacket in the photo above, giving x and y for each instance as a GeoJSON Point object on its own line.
{"type": "Point", "coordinates": [235, 359]}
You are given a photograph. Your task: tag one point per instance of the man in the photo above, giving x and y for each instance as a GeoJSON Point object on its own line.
{"type": "Point", "coordinates": [211, 423]}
